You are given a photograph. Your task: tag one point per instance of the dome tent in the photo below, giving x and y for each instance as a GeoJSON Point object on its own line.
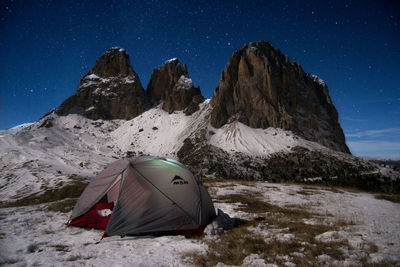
{"type": "Point", "coordinates": [144, 195]}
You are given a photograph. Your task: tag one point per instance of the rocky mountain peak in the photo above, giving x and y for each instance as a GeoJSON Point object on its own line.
{"type": "Point", "coordinates": [262, 88]}
{"type": "Point", "coordinates": [114, 62]}
{"type": "Point", "coordinates": [170, 83]}
{"type": "Point", "coordinates": [110, 90]}
{"type": "Point", "coordinates": [163, 79]}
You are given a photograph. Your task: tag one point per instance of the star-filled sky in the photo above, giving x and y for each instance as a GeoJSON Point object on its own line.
{"type": "Point", "coordinates": [354, 46]}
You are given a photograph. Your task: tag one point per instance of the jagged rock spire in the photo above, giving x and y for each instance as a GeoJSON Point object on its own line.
{"type": "Point", "coordinates": [113, 63]}
{"type": "Point", "coordinates": [111, 90]}
{"type": "Point", "coordinates": [171, 84]}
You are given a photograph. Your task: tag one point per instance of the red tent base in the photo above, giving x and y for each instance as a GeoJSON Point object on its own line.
{"type": "Point", "coordinates": [92, 218]}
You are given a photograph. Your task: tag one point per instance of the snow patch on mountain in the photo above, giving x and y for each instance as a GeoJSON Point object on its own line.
{"type": "Point", "coordinates": [155, 132]}
{"type": "Point", "coordinates": [158, 133]}
{"type": "Point", "coordinates": [92, 79]}
{"type": "Point", "coordinates": [183, 83]}
{"type": "Point", "coordinates": [238, 137]}
{"type": "Point", "coordinates": [171, 60]}
{"type": "Point", "coordinates": [317, 79]}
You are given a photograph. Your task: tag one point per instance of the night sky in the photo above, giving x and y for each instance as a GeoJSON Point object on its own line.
{"type": "Point", "coordinates": [354, 46]}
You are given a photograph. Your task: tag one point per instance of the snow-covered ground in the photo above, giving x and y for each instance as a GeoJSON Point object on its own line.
{"type": "Point", "coordinates": [366, 220]}
{"type": "Point", "coordinates": [238, 137]}
{"type": "Point", "coordinates": [32, 236]}
{"type": "Point", "coordinates": [58, 150]}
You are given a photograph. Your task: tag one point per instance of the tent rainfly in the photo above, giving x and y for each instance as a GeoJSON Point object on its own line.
{"type": "Point", "coordinates": [144, 195]}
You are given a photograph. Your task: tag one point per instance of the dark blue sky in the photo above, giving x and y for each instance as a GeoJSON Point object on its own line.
{"type": "Point", "coordinates": [354, 46]}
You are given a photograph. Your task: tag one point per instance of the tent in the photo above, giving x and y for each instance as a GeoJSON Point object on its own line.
{"type": "Point", "coordinates": [144, 195]}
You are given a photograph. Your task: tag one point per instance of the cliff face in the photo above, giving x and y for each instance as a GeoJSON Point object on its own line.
{"type": "Point", "coordinates": [261, 88]}
{"type": "Point", "coordinates": [170, 83]}
{"type": "Point", "coordinates": [111, 90]}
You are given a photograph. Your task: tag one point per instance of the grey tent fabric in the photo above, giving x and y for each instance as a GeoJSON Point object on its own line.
{"type": "Point", "coordinates": [98, 187]}
{"type": "Point", "coordinates": [151, 195]}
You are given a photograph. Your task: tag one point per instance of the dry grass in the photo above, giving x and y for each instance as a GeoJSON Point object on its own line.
{"type": "Point", "coordinates": [231, 248]}
{"type": "Point", "coordinates": [65, 205]}
{"type": "Point", "coordinates": [343, 222]}
{"type": "Point", "coordinates": [225, 182]}
{"type": "Point", "coordinates": [324, 188]}
{"type": "Point", "coordinates": [78, 257]}
{"type": "Point", "coordinates": [307, 192]}
{"type": "Point", "coordinates": [392, 198]}
{"type": "Point", "coordinates": [333, 190]}
{"type": "Point", "coordinates": [61, 248]}
{"type": "Point", "coordinates": [11, 261]}
{"type": "Point", "coordinates": [249, 203]}
{"type": "Point", "coordinates": [372, 248]}
{"type": "Point", "coordinates": [71, 190]}
{"type": "Point", "coordinates": [383, 263]}
{"type": "Point", "coordinates": [234, 245]}
{"type": "Point", "coordinates": [353, 189]}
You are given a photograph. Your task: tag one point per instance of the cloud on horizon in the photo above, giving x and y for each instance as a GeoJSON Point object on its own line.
{"type": "Point", "coordinates": [347, 118]}
{"type": "Point", "coordinates": [375, 149]}
{"type": "Point", "coordinates": [377, 143]}
{"type": "Point", "coordinates": [374, 133]}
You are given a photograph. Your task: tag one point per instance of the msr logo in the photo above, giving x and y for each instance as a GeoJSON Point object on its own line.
{"type": "Point", "coordinates": [179, 180]}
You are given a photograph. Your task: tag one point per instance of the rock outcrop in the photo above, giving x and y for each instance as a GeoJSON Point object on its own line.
{"type": "Point", "coordinates": [111, 90]}
{"type": "Point", "coordinates": [261, 88]}
{"type": "Point", "coordinates": [170, 83]}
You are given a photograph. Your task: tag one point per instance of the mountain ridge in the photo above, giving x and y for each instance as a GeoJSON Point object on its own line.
{"type": "Point", "coordinates": [259, 87]}
{"type": "Point", "coordinates": [55, 149]}
{"type": "Point", "coordinates": [80, 140]}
